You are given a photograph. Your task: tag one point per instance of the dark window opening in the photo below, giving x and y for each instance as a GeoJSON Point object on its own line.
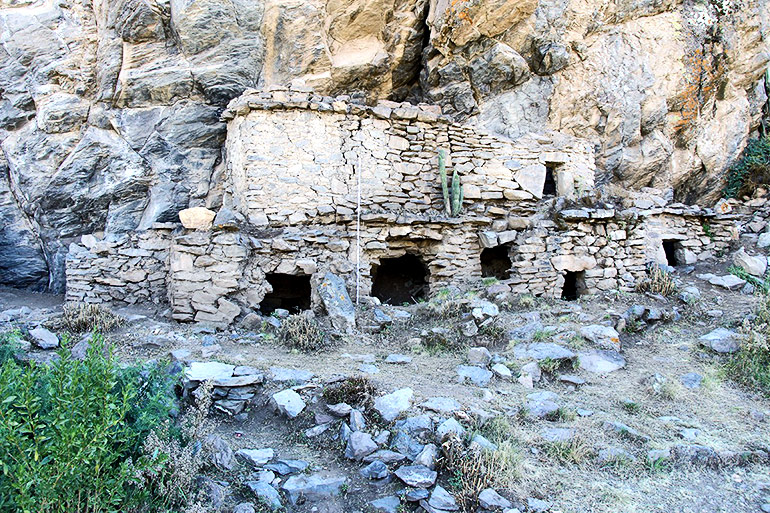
{"type": "Point", "coordinates": [671, 247]}
{"type": "Point", "coordinates": [290, 293]}
{"type": "Point", "coordinates": [549, 186]}
{"type": "Point", "coordinates": [399, 280]}
{"type": "Point", "coordinates": [574, 285]}
{"type": "Point", "coordinates": [496, 262]}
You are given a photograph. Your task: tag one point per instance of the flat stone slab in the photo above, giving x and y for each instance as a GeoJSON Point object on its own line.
{"type": "Point", "coordinates": [312, 487]}
{"type": "Point", "coordinates": [297, 376]}
{"type": "Point", "coordinates": [542, 350]}
{"type": "Point", "coordinates": [204, 371]}
{"type": "Point", "coordinates": [721, 340]}
{"type": "Point", "coordinates": [476, 375]}
{"type": "Point", "coordinates": [286, 467]}
{"type": "Point", "coordinates": [389, 504]}
{"type": "Point", "coordinates": [417, 476]}
{"type": "Point", "coordinates": [442, 404]}
{"type": "Point", "coordinates": [398, 359]}
{"type": "Point", "coordinates": [239, 381]}
{"type": "Point", "coordinates": [44, 339]}
{"type": "Point", "coordinates": [601, 361]}
{"type": "Point", "coordinates": [255, 457]}
{"type": "Point", "coordinates": [266, 493]}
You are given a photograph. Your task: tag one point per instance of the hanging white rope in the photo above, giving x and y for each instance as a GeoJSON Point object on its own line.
{"type": "Point", "coordinates": [358, 228]}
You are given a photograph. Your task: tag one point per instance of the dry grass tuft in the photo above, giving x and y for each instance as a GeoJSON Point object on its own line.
{"type": "Point", "coordinates": [471, 470]}
{"type": "Point", "coordinates": [357, 391]}
{"type": "Point", "coordinates": [575, 450]}
{"type": "Point", "coordinates": [303, 333]}
{"type": "Point", "coordinates": [658, 281]}
{"type": "Point", "coordinates": [83, 317]}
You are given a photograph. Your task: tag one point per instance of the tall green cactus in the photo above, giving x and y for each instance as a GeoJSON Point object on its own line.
{"type": "Point", "coordinates": [452, 205]}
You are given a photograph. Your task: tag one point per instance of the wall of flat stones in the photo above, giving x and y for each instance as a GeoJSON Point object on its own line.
{"type": "Point", "coordinates": [294, 156]}
{"type": "Point", "coordinates": [127, 269]}
{"type": "Point", "coordinates": [215, 276]}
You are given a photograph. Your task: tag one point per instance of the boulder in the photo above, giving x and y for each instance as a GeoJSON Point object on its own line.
{"type": "Point", "coordinates": [479, 356]}
{"type": "Point", "coordinates": [441, 404]}
{"type": "Point", "coordinates": [255, 457]}
{"type": "Point", "coordinates": [721, 340]}
{"type": "Point", "coordinates": [266, 494]}
{"type": "Point", "coordinates": [754, 265]}
{"type": "Point", "coordinates": [442, 500]}
{"type": "Point", "coordinates": [543, 350]}
{"type": "Point", "coordinates": [288, 402]}
{"type": "Point", "coordinates": [336, 301]}
{"type": "Point", "coordinates": [197, 218]}
{"type": "Point", "coordinates": [375, 470]}
{"type": "Point", "coordinates": [390, 406]}
{"type": "Point", "coordinates": [476, 375]}
{"type": "Point", "coordinates": [491, 500]}
{"type": "Point", "coordinates": [313, 487]}
{"type": "Point", "coordinates": [417, 476]}
{"type": "Point", "coordinates": [603, 336]}
{"type": "Point", "coordinates": [43, 338]}
{"type": "Point", "coordinates": [359, 445]}
{"type": "Point", "coordinates": [601, 361]}
{"type": "Point", "coordinates": [389, 504]}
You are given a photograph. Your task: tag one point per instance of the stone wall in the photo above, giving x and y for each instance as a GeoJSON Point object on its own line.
{"type": "Point", "coordinates": [126, 269]}
{"type": "Point", "coordinates": [294, 156]}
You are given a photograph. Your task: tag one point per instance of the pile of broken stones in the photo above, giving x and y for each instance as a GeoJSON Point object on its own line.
{"type": "Point", "coordinates": [406, 448]}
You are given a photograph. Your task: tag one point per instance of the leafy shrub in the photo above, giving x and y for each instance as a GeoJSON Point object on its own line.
{"type": "Point", "coordinates": [69, 433]}
{"type": "Point", "coordinates": [84, 317]}
{"type": "Point", "coordinates": [303, 333]}
{"type": "Point", "coordinates": [9, 345]}
{"type": "Point", "coordinates": [750, 170]}
{"type": "Point", "coordinates": [658, 281]}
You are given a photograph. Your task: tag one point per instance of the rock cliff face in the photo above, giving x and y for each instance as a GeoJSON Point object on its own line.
{"type": "Point", "coordinates": [109, 109]}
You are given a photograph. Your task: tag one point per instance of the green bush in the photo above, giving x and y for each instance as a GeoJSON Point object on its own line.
{"type": "Point", "coordinates": [70, 431]}
{"type": "Point", "coordinates": [750, 366]}
{"type": "Point", "coordinates": [9, 345]}
{"type": "Point", "coordinates": [750, 170]}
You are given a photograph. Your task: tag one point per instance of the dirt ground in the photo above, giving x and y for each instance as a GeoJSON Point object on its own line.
{"type": "Point", "coordinates": [725, 415]}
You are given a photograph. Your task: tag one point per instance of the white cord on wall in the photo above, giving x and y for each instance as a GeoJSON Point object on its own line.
{"type": "Point", "coordinates": [358, 229]}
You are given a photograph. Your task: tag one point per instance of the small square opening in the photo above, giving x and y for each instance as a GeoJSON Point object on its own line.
{"type": "Point", "coordinates": [396, 281]}
{"type": "Point", "coordinates": [549, 186]}
{"type": "Point", "coordinates": [672, 248]}
{"type": "Point", "coordinates": [574, 285]}
{"type": "Point", "coordinates": [290, 292]}
{"type": "Point", "coordinates": [496, 262]}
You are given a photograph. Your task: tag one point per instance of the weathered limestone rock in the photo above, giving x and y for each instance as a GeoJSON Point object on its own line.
{"type": "Point", "coordinates": [391, 405]}
{"type": "Point", "coordinates": [43, 338]}
{"type": "Point", "coordinates": [336, 301]}
{"type": "Point", "coordinates": [721, 340]}
{"type": "Point", "coordinates": [754, 265]}
{"type": "Point", "coordinates": [197, 218]}
{"type": "Point", "coordinates": [288, 402]}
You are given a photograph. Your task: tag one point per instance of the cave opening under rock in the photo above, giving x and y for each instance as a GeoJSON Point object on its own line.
{"type": "Point", "coordinates": [290, 292]}
{"type": "Point", "coordinates": [496, 262]}
{"type": "Point", "coordinates": [396, 281]}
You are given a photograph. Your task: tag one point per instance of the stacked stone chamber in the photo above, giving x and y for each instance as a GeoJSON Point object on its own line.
{"type": "Point", "coordinates": [299, 165]}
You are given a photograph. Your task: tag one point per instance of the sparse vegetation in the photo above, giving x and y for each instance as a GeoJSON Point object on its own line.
{"type": "Point", "coordinates": [575, 450]}
{"type": "Point", "coordinates": [357, 391]}
{"type": "Point", "coordinates": [750, 170]}
{"type": "Point", "coordinates": [762, 286]}
{"type": "Point", "coordinates": [471, 470]}
{"type": "Point", "coordinates": [85, 317]}
{"type": "Point", "coordinates": [658, 281]}
{"type": "Point", "coordinates": [303, 333]}
{"type": "Point", "coordinates": [750, 366]}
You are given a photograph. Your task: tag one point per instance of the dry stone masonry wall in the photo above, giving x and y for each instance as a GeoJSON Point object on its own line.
{"type": "Point", "coordinates": [298, 167]}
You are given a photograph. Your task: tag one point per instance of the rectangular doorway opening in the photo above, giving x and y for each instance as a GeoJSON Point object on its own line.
{"type": "Point", "coordinates": [290, 292]}
{"type": "Point", "coordinates": [549, 186]}
{"type": "Point", "coordinates": [396, 281]}
{"type": "Point", "coordinates": [574, 285]}
{"type": "Point", "coordinates": [672, 247]}
{"type": "Point", "coordinates": [496, 262]}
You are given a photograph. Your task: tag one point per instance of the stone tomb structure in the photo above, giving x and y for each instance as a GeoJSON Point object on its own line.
{"type": "Point", "coordinates": [318, 185]}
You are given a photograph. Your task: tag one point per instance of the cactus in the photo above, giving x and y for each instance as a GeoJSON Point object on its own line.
{"type": "Point", "coordinates": [444, 187]}
{"type": "Point", "coordinates": [452, 205]}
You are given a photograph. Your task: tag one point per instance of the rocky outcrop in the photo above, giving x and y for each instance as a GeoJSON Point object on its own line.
{"type": "Point", "coordinates": [109, 111]}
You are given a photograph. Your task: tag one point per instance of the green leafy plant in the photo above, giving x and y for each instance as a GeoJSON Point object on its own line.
{"type": "Point", "coordinates": [750, 170]}
{"type": "Point", "coordinates": [69, 432]}
{"type": "Point", "coordinates": [453, 194]}
{"type": "Point", "coordinates": [750, 366]}
{"type": "Point", "coordinates": [9, 345]}
{"type": "Point", "coordinates": [762, 286]}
